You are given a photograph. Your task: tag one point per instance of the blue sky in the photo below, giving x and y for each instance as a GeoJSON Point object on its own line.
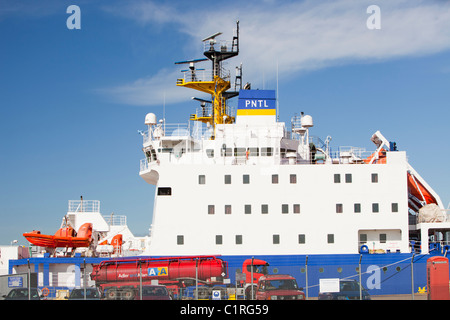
{"type": "Point", "coordinates": [71, 101]}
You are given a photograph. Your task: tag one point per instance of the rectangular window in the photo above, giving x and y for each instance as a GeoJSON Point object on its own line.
{"type": "Point", "coordinates": [218, 239]}
{"type": "Point", "coordinates": [301, 239]}
{"type": "Point", "coordinates": [248, 209]}
{"type": "Point", "coordinates": [383, 237]}
{"type": "Point", "coordinates": [163, 191]}
{"type": "Point", "coordinates": [374, 177]}
{"type": "Point", "coordinates": [201, 179]}
{"type": "Point", "coordinates": [339, 208]}
{"type": "Point", "coordinates": [362, 238]}
{"type": "Point", "coordinates": [239, 152]}
{"type": "Point", "coordinates": [348, 178]}
{"type": "Point", "coordinates": [357, 207]}
{"type": "Point", "coordinates": [267, 152]}
{"type": "Point", "coordinates": [276, 239]}
{"type": "Point", "coordinates": [180, 240]}
{"type": "Point", "coordinates": [246, 179]}
{"type": "Point", "coordinates": [330, 238]}
{"type": "Point", "coordinates": [264, 208]}
{"type": "Point", "coordinates": [394, 207]}
{"type": "Point", "coordinates": [293, 178]}
{"type": "Point", "coordinates": [275, 178]}
{"type": "Point", "coordinates": [375, 207]}
{"type": "Point", "coordinates": [337, 178]}
{"type": "Point", "coordinates": [285, 208]}
{"type": "Point", "coordinates": [228, 209]}
{"type": "Point", "coordinates": [238, 239]}
{"type": "Point", "coordinates": [211, 209]}
{"type": "Point", "coordinates": [210, 153]}
{"type": "Point", "coordinates": [228, 179]}
{"type": "Point", "coordinates": [226, 152]}
{"type": "Point", "coordinates": [254, 152]}
{"type": "Point", "coordinates": [296, 208]}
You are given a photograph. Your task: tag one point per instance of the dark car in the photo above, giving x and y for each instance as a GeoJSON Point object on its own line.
{"type": "Point", "coordinates": [79, 294]}
{"type": "Point", "coordinates": [153, 292]}
{"type": "Point", "coordinates": [348, 290]}
{"type": "Point", "coordinates": [278, 287]}
{"type": "Point", "coordinates": [149, 292]}
{"type": "Point", "coordinates": [22, 294]}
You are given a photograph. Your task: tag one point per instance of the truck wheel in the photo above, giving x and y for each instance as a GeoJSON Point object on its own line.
{"type": "Point", "coordinates": [128, 294]}
{"type": "Point", "coordinates": [111, 294]}
{"type": "Point", "coordinates": [204, 293]}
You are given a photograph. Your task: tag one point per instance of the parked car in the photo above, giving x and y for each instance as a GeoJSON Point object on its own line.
{"type": "Point", "coordinates": [22, 294]}
{"type": "Point", "coordinates": [78, 294]}
{"type": "Point", "coordinates": [278, 287]}
{"type": "Point", "coordinates": [153, 292]}
{"type": "Point", "coordinates": [348, 290]}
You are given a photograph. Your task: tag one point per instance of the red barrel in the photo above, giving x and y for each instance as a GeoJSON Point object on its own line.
{"type": "Point", "coordinates": [159, 268]}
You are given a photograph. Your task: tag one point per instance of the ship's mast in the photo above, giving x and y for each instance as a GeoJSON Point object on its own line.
{"type": "Point", "coordinates": [217, 82]}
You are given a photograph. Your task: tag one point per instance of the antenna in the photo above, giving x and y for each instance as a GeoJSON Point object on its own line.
{"type": "Point", "coordinates": [212, 37]}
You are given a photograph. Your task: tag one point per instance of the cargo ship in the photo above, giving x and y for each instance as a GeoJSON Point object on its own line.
{"type": "Point", "coordinates": [241, 190]}
{"type": "Point", "coordinates": [239, 183]}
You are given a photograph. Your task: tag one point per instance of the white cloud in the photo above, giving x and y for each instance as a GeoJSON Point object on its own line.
{"type": "Point", "coordinates": [299, 37]}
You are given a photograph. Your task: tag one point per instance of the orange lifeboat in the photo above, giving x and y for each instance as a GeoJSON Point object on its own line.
{"type": "Point", "coordinates": [63, 238]}
{"type": "Point", "coordinates": [381, 159]}
{"type": "Point", "coordinates": [419, 191]}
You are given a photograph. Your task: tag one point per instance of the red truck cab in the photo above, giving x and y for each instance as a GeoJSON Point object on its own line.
{"type": "Point", "coordinates": [278, 287]}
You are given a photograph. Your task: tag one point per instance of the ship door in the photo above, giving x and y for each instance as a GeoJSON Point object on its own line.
{"type": "Point", "coordinates": [438, 278]}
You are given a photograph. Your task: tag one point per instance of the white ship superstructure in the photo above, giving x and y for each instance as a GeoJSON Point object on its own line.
{"type": "Point", "coordinates": [243, 183]}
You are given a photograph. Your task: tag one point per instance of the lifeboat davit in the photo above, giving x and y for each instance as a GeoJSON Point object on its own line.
{"type": "Point", "coordinates": [64, 238]}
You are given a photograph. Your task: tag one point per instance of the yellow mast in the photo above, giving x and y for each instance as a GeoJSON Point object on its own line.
{"type": "Point", "coordinates": [216, 83]}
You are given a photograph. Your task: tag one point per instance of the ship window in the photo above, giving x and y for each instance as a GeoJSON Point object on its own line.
{"type": "Point", "coordinates": [293, 178]}
{"type": "Point", "coordinates": [226, 152]}
{"type": "Point", "coordinates": [296, 208]}
{"type": "Point", "coordinates": [211, 209]}
{"type": "Point", "coordinates": [348, 178]}
{"type": "Point", "coordinates": [210, 153]}
{"type": "Point", "coordinates": [374, 177]}
{"type": "Point", "coordinates": [239, 152]}
{"type": "Point", "coordinates": [301, 239]}
{"type": "Point", "coordinates": [339, 208]}
{"type": "Point", "coordinates": [201, 179]}
{"type": "Point", "coordinates": [218, 239]}
{"type": "Point", "coordinates": [246, 179]}
{"type": "Point", "coordinates": [276, 239]}
{"type": "Point", "coordinates": [337, 178]}
{"type": "Point", "coordinates": [383, 237]}
{"type": "Point", "coordinates": [394, 207]}
{"type": "Point", "coordinates": [248, 209]}
{"type": "Point", "coordinates": [267, 152]}
{"type": "Point", "coordinates": [264, 208]}
{"type": "Point", "coordinates": [228, 209]}
{"type": "Point", "coordinates": [228, 179]}
{"type": "Point", "coordinates": [363, 238]}
{"type": "Point", "coordinates": [274, 178]}
{"type": "Point", "coordinates": [238, 239]}
{"type": "Point", "coordinates": [375, 207]}
{"type": "Point", "coordinates": [284, 208]}
{"type": "Point", "coordinates": [163, 191]}
{"type": "Point", "coordinates": [180, 240]}
{"type": "Point", "coordinates": [357, 207]}
{"type": "Point", "coordinates": [330, 238]}
{"type": "Point", "coordinates": [254, 152]}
